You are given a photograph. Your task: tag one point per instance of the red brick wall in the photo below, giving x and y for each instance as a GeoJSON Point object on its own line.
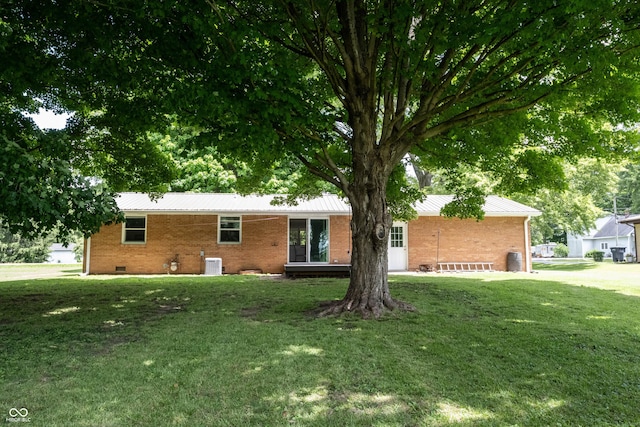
{"type": "Point", "coordinates": [263, 246]}
{"type": "Point", "coordinates": [340, 239]}
{"type": "Point", "coordinates": [264, 243]}
{"type": "Point", "coordinates": [438, 239]}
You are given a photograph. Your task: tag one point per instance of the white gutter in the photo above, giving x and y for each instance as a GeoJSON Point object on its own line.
{"type": "Point", "coordinates": [527, 245]}
{"type": "Point", "coordinates": [87, 256]}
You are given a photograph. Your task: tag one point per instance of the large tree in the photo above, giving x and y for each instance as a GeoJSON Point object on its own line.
{"type": "Point", "coordinates": [628, 191]}
{"type": "Point", "coordinates": [590, 185]}
{"type": "Point", "coordinates": [15, 248]}
{"type": "Point", "coordinates": [348, 88]}
{"type": "Point", "coordinates": [58, 181]}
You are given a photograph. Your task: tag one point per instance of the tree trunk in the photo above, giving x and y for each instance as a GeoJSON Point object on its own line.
{"type": "Point", "coordinates": [424, 177]}
{"type": "Point", "coordinates": [368, 293]}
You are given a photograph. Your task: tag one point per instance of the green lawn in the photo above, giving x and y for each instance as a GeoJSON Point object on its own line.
{"type": "Point", "coordinates": [556, 348]}
{"type": "Point", "coordinates": [10, 272]}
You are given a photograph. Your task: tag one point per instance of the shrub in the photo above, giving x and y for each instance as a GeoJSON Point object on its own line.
{"type": "Point", "coordinates": [560, 251]}
{"type": "Point", "coordinates": [595, 254]}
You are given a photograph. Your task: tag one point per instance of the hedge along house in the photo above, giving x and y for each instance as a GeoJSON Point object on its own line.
{"type": "Point", "coordinates": [178, 232]}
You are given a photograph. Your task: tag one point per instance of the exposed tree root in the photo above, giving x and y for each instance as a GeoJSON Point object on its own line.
{"type": "Point", "coordinates": [364, 308]}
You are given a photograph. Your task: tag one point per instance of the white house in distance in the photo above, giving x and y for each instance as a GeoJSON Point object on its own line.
{"type": "Point", "coordinates": [608, 233]}
{"type": "Point", "coordinates": [59, 254]}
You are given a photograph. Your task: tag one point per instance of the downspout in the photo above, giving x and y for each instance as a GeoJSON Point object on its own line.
{"type": "Point", "coordinates": [527, 245]}
{"type": "Point", "coordinates": [87, 256]}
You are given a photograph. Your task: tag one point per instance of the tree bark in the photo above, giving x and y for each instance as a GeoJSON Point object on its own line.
{"type": "Point", "coordinates": [373, 161]}
{"type": "Point", "coordinates": [424, 177]}
{"type": "Point", "coordinates": [368, 293]}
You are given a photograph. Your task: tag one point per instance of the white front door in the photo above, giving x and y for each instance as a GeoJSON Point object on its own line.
{"type": "Point", "coordinates": [398, 247]}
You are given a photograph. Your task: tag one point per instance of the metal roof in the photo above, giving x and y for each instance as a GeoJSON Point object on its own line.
{"type": "Point", "coordinates": [257, 204]}
{"type": "Point", "coordinates": [493, 206]}
{"type": "Point", "coordinates": [227, 202]}
{"type": "Point", "coordinates": [614, 228]}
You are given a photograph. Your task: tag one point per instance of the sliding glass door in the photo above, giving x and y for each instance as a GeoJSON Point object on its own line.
{"type": "Point", "coordinates": [308, 240]}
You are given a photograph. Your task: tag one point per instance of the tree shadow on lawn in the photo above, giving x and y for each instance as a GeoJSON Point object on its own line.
{"type": "Point", "coordinates": [75, 316]}
{"type": "Point", "coordinates": [535, 352]}
{"type": "Point", "coordinates": [494, 353]}
{"type": "Point", "coordinates": [477, 353]}
{"type": "Point", "coordinates": [564, 265]}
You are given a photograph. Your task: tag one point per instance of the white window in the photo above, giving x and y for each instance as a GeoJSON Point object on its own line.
{"type": "Point", "coordinates": [397, 237]}
{"type": "Point", "coordinates": [229, 229]}
{"type": "Point", "coordinates": [604, 245]}
{"type": "Point", "coordinates": [134, 229]}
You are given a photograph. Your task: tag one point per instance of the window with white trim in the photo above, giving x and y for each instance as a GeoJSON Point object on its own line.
{"type": "Point", "coordinates": [229, 229]}
{"type": "Point", "coordinates": [604, 245]}
{"type": "Point", "coordinates": [397, 237]}
{"type": "Point", "coordinates": [134, 229]}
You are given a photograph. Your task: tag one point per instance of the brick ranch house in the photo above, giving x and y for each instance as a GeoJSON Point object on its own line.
{"type": "Point", "coordinates": [179, 232]}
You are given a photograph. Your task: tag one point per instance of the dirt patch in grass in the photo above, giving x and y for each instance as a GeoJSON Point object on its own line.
{"type": "Point", "coordinates": [124, 331]}
{"type": "Point", "coordinates": [252, 312]}
{"type": "Point", "coordinates": [112, 343]}
{"type": "Point", "coordinates": [164, 309]}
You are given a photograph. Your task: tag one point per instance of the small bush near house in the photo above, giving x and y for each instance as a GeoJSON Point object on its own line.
{"type": "Point", "coordinates": [560, 251]}
{"type": "Point", "coordinates": [595, 254]}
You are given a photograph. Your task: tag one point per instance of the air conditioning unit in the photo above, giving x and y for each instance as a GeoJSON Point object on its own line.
{"type": "Point", "coordinates": [213, 266]}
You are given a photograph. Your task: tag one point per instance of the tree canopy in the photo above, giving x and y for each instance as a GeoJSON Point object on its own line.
{"type": "Point", "coordinates": [58, 180]}
{"type": "Point", "coordinates": [15, 248]}
{"type": "Point", "coordinates": [628, 193]}
{"type": "Point", "coordinates": [348, 88]}
{"type": "Point", "coordinates": [590, 186]}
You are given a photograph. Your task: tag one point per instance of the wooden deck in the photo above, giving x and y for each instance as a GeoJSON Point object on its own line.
{"type": "Point", "coordinates": [317, 270]}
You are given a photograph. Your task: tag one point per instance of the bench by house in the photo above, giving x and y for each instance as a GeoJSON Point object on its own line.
{"type": "Point", "coordinates": [317, 270]}
{"type": "Point", "coordinates": [461, 267]}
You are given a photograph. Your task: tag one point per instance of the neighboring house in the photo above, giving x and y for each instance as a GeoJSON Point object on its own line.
{"type": "Point", "coordinates": [608, 233]}
{"type": "Point", "coordinates": [178, 232]}
{"type": "Point", "coordinates": [634, 221]}
{"type": "Point", "coordinates": [60, 255]}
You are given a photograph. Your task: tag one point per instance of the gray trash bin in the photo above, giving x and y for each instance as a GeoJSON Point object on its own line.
{"type": "Point", "coordinates": [618, 253]}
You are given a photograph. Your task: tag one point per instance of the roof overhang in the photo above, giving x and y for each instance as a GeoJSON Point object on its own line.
{"type": "Point", "coordinates": [631, 219]}
{"type": "Point", "coordinates": [328, 204]}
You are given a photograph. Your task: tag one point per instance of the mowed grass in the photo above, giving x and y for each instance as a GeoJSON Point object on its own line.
{"type": "Point", "coordinates": [557, 348]}
{"type": "Point", "coordinates": [9, 272]}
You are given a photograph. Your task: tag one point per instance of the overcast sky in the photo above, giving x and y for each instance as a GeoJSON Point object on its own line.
{"type": "Point", "coordinates": [48, 120]}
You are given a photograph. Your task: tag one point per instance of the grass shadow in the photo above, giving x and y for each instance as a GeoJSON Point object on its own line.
{"type": "Point", "coordinates": [482, 350]}
{"type": "Point", "coordinates": [546, 349]}
{"type": "Point", "coordinates": [578, 265]}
